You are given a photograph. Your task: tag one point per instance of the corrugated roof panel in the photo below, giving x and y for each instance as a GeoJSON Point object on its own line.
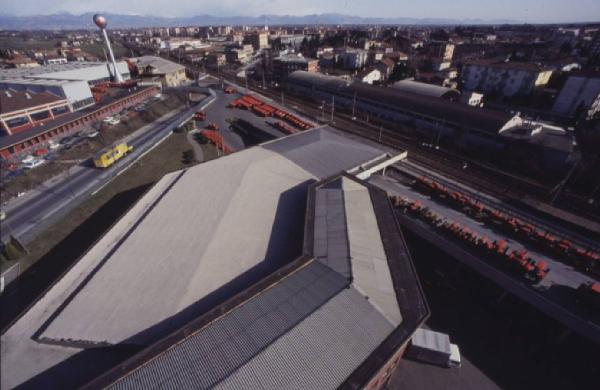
{"type": "Point", "coordinates": [221, 348]}
{"type": "Point", "coordinates": [324, 346]}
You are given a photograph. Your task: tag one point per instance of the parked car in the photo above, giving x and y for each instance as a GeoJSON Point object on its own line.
{"type": "Point", "coordinates": [112, 120]}
{"type": "Point", "coordinates": [67, 140]}
{"type": "Point", "coordinates": [27, 159]}
{"type": "Point", "coordinates": [32, 164]}
{"type": "Point", "coordinates": [92, 134]}
{"type": "Point", "coordinates": [53, 145]}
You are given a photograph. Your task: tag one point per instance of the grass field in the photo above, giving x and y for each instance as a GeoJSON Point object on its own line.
{"type": "Point", "coordinates": [97, 49]}
{"type": "Point", "coordinates": [27, 43]}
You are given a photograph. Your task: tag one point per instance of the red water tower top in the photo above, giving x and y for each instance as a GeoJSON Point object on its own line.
{"type": "Point", "coordinates": [100, 21]}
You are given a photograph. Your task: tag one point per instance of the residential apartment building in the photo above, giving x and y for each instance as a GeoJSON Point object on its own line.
{"type": "Point", "coordinates": [170, 74]}
{"type": "Point", "coordinates": [239, 54]}
{"type": "Point", "coordinates": [503, 78]}
{"type": "Point", "coordinates": [259, 40]}
{"type": "Point", "coordinates": [353, 59]}
{"type": "Point", "coordinates": [581, 92]}
{"type": "Point", "coordinates": [286, 64]}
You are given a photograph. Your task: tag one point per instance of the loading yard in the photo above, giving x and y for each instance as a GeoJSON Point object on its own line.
{"type": "Point", "coordinates": [547, 279]}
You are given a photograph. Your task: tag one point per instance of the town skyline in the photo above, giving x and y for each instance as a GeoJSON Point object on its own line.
{"type": "Point", "coordinates": [526, 11]}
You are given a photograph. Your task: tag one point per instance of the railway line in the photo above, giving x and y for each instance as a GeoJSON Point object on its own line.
{"type": "Point", "coordinates": [503, 185]}
{"type": "Point", "coordinates": [557, 230]}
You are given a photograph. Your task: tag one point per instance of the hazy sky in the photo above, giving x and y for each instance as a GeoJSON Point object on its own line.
{"type": "Point", "coordinates": [520, 10]}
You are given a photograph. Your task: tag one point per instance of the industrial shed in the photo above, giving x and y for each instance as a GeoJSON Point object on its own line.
{"type": "Point", "coordinates": [222, 268]}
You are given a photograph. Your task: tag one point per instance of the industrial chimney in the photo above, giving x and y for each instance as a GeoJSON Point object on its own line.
{"type": "Point", "coordinates": [101, 22]}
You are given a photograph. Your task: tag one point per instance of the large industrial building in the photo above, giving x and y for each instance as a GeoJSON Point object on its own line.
{"type": "Point", "coordinates": [460, 125]}
{"type": "Point", "coordinates": [168, 73]}
{"type": "Point", "coordinates": [53, 101]}
{"type": "Point", "coordinates": [272, 267]}
{"type": "Point", "coordinates": [29, 138]}
{"type": "Point", "coordinates": [70, 81]}
{"type": "Point", "coordinates": [22, 110]}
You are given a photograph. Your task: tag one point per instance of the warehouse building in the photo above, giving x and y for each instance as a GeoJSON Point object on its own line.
{"type": "Point", "coordinates": [169, 73]}
{"type": "Point", "coordinates": [464, 125]}
{"type": "Point", "coordinates": [22, 110]}
{"type": "Point", "coordinates": [580, 95]}
{"type": "Point", "coordinates": [266, 268]}
{"type": "Point", "coordinates": [284, 65]}
{"type": "Point", "coordinates": [14, 146]}
{"type": "Point", "coordinates": [71, 81]}
{"type": "Point", "coordinates": [91, 72]}
{"type": "Point", "coordinates": [503, 78]}
{"type": "Point", "coordinates": [427, 89]}
{"type": "Point", "coordinates": [76, 92]}
{"type": "Point", "coordinates": [471, 129]}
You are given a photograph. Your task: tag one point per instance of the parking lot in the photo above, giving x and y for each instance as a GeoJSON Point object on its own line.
{"type": "Point", "coordinates": [221, 114]}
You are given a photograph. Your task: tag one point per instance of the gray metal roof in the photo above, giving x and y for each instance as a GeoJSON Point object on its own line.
{"type": "Point", "coordinates": [311, 78]}
{"type": "Point", "coordinates": [160, 64]}
{"type": "Point", "coordinates": [311, 329]}
{"type": "Point", "coordinates": [321, 351]}
{"type": "Point", "coordinates": [460, 115]}
{"type": "Point", "coordinates": [203, 253]}
{"type": "Point", "coordinates": [331, 245]}
{"type": "Point", "coordinates": [196, 239]}
{"type": "Point", "coordinates": [83, 70]}
{"type": "Point", "coordinates": [323, 152]}
{"type": "Point", "coordinates": [216, 352]}
{"type": "Point", "coordinates": [425, 89]}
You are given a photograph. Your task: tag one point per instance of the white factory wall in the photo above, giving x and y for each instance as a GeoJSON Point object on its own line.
{"type": "Point", "coordinates": [89, 74]}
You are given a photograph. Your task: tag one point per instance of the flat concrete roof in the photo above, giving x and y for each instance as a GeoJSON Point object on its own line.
{"type": "Point", "coordinates": [198, 237]}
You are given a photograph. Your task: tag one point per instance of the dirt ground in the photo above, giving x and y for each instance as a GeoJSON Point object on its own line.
{"type": "Point", "coordinates": [67, 158]}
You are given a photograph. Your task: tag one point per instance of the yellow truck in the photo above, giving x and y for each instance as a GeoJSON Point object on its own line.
{"type": "Point", "coordinates": [108, 157]}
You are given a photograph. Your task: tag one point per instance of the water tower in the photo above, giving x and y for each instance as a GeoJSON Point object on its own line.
{"type": "Point", "coordinates": [101, 22]}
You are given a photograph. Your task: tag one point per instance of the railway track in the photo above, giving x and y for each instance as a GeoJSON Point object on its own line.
{"type": "Point", "coordinates": [505, 186]}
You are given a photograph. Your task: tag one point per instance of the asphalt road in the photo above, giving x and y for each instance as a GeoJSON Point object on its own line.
{"type": "Point", "coordinates": [29, 215]}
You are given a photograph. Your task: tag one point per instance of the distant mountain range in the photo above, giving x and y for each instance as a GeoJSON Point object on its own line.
{"type": "Point", "coordinates": [66, 21]}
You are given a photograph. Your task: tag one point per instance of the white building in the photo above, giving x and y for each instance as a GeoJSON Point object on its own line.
{"type": "Point", "coordinates": [92, 72]}
{"type": "Point", "coordinates": [76, 92]}
{"type": "Point", "coordinates": [370, 76]}
{"type": "Point", "coordinates": [580, 90]}
{"type": "Point", "coordinates": [175, 43]}
{"type": "Point", "coordinates": [70, 81]}
{"type": "Point", "coordinates": [504, 78]}
{"type": "Point", "coordinates": [353, 58]}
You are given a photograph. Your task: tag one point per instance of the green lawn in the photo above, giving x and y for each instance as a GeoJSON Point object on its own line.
{"type": "Point", "coordinates": [97, 50]}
